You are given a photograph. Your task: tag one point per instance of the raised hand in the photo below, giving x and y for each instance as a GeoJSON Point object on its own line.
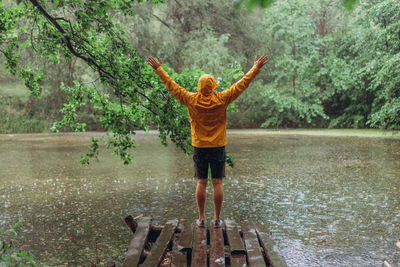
{"type": "Point", "coordinates": [153, 63]}
{"type": "Point", "coordinates": [261, 61]}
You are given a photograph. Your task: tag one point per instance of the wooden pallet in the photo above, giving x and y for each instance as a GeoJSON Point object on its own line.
{"type": "Point", "coordinates": [185, 244]}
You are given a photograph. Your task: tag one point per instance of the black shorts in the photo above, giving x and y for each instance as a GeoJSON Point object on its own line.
{"type": "Point", "coordinates": [209, 156]}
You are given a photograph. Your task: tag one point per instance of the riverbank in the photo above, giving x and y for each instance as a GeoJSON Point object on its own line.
{"type": "Point", "coordinates": [322, 132]}
{"type": "Point", "coordinates": [375, 133]}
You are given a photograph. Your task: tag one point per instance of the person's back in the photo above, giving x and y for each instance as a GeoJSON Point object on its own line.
{"type": "Point", "coordinates": [207, 112]}
{"type": "Point", "coordinates": [207, 109]}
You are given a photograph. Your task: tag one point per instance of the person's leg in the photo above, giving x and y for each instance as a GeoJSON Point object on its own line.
{"type": "Point", "coordinates": [201, 197]}
{"type": "Point", "coordinates": [217, 165]}
{"type": "Point", "coordinates": [218, 196]}
{"type": "Point", "coordinates": [201, 173]}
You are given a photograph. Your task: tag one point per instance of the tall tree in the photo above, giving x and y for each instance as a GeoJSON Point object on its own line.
{"type": "Point", "coordinates": [364, 79]}
{"type": "Point", "coordinates": [124, 92]}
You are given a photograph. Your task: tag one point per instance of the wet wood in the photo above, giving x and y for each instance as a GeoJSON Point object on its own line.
{"type": "Point", "coordinates": [179, 259]}
{"type": "Point", "coordinates": [155, 231]}
{"type": "Point", "coordinates": [238, 260]}
{"type": "Point", "coordinates": [138, 243]}
{"type": "Point", "coordinates": [217, 254]}
{"type": "Point", "coordinates": [132, 224]}
{"type": "Point", "coordinates": [185, 244]}
{"type": "Point", "coordinates": [157, 228]}
{"type": "Point", "coordinates": [235, 242]}
{"type": "Point", "coordinates": [161, 245]}
{"type": "Point", "coordinates": [255, 257]}
{"type": "Point", "coordinates": [236, 247]}
{"type": "Point", "coordinates": [267, 244]}
{"type": "Point", "coordinates": [185, 236]}
{"type": "Point", "coordinates": [199, 253]}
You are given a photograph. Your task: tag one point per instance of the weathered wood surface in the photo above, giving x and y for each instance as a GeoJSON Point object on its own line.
{"type": "Point", "coordinates": [160, 247]}
{"type": "Point", "coordinates": [179, 259]}
{"type": "Point", "coordinates": [183, 244]}
{"type": "Point", "coordinates": [238, 260]}
{"type": "Point", "coordinates": [217, 253]}
{"type": "Point", "coordinates": [199, 252]}
{"type": "Point", "coordinates": [138, 242]}
{"type": "Point", "coordinates": [185, 236]}
{"type": "Point", "coordinates": [267, 244]}
{"type": "Point", "coordinates": [255, 257]}
{"type": "Point", "coordinates": [236, 245]}
{"type": "Point", "coordinates": [186, 244]}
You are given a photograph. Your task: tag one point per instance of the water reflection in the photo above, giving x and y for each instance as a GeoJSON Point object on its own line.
{"type": "Point", "coordinates": [330, 201]}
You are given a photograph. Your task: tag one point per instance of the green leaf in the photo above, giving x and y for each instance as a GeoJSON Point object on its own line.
{"type": "Point", "coordinates": [349, 4]}
{"type": "Point", "coordinates": [251, 4]}
{"type": "Point", "coordinates": [266, 3]}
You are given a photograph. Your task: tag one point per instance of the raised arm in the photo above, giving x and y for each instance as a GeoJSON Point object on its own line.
{"type": "Point", "coordinates": [175, 89]}
{"type": "Point", "coordinates": [237, 88]}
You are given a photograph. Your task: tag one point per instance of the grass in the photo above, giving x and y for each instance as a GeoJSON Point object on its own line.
{"type": "Point", "coordinates": [14, 124]}
{"type": "Point", "coordinates": [14, 89]}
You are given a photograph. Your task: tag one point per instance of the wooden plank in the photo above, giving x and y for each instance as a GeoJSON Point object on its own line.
{"type": "Point", "coordinates": [182, 252]}
{"type": "Point", "coordinates": [185, 237]}
{"type": "Point", "coordinates": [255, 257]}
{"type": "Point", "coordinates": [235, 242]}
{"type": "Point", "coordinates": [217, 254]}
{"type": "Point", "coordinates": [238, 260]}
{"type": "Point", "coordinates": [199, 253]}
{"type": "Point", "coordinates": [138, 242]}
{"type": "Point", "coordinates": [267, 244]}
{"type": "Point", "coordinates": [159, 248]}
{"type": "Point", "coordinates": [179, 259]}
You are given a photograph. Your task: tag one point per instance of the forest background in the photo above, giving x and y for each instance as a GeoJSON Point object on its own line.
{"type": "Point", "coordinates": [329, 67]}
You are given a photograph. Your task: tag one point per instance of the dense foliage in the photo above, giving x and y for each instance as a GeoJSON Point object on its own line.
{"type": "Point", "coordinates": [364, 77]}
{"type": "Point", "coordinates": [327, 68]}
{"type": "Point", "coordinates": [124, 92]}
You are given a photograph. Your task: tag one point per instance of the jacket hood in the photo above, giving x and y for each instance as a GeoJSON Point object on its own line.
{"type": "Point", "coordinates": [206, 84]}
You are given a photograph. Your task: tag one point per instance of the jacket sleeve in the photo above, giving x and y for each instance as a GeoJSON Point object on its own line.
{"type": "Point", "coordinates": [175, 89]}
{"type": "Point", "coordinates": [230, 94]}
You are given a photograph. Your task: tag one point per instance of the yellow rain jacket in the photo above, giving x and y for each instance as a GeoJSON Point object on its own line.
{"type": "Point", "coordinates": [207, 110]}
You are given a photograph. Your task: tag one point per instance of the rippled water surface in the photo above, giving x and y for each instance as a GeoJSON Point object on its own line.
{"type": "Point", "coordinates": [330, 201]}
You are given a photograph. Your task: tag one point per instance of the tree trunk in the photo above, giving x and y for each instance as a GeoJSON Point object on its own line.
{"type": "Point", "coordinates": [399, 40]}
{"type": "Point", "coordinates": [322, 31]}
{"type": "Point", "coordinates": [29, 108]}
{"type": "Point", "coordinates": [386, 41]}
{"type": "Point", "coordinates": [295, 69]}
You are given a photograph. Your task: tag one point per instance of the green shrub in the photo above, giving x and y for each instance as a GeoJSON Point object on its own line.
{"type": "Point", "coordinates": [10, 123]}
{"type": "Point", "coordinates": [10, 254]}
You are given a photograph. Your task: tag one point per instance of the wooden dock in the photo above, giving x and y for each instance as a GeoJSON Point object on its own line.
{"type": "Point", "coordinates": [185, 244]}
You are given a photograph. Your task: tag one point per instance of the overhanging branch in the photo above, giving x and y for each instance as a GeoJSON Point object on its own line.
{"type": "Point", "coordinates": [68, 38]}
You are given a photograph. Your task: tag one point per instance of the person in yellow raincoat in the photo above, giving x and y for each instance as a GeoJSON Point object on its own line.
{"type": "Point", "coordinates": [207, 112]}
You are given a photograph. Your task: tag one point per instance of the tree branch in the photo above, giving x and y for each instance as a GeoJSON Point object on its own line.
{"type": "Point", "coordinates": [162, 21]}
{"type": "Point", "coordinates": [67, 38]}
{"type": "Point", "coordinates": [399, 39]}
{"type": "Point", "coordinates": [64, 19]}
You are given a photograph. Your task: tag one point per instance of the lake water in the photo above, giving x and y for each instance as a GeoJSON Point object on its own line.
{"type": "Point", "coordinates": [329, 200]}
